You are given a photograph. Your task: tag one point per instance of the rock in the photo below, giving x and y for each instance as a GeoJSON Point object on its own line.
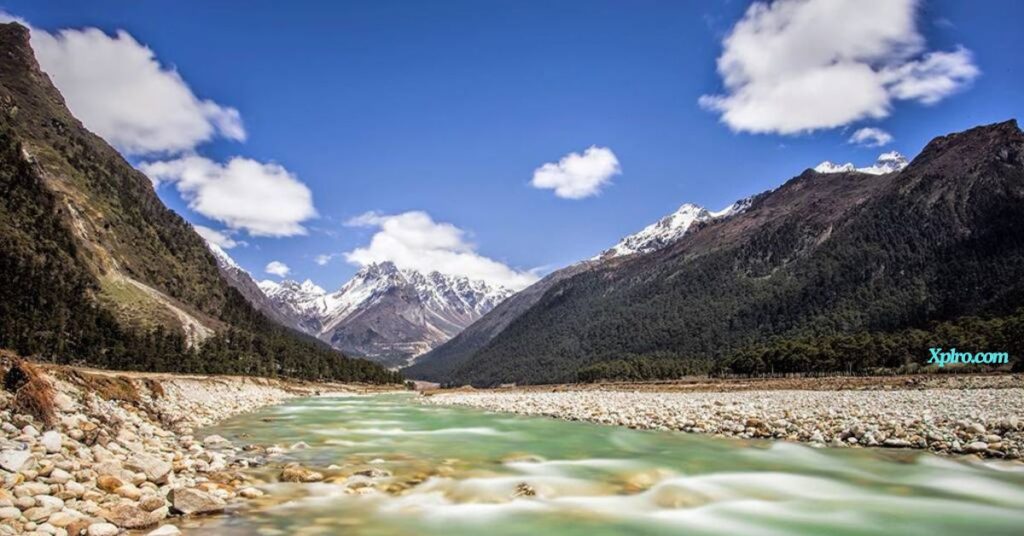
{"type": "Point", "coordinates": [152, 502]}
{"type": "Point", "coordinates": [108, 483]}
{"type": "Point", "coordinates": [524, 490]}
{"type": "Point", "coordinates": [976, 447]}
{"type": "Point", "coordinates": [51, 441]}
{"type": "Point", "coordinates": [373, 473]}
{"type": "Point", "coordinates": [191, 501]}
{"type": "Point", "coordinates": [896, 443]}
{"type": "Point", "coordinates": [976, 428]}
{"type": "Point", "coordinates": [250, 493]}
{"type": "Point", "coordinates": [166, 530]}
{"type": "Point", "coordinates": [40, 513]}
{"type": "Point", "coordinates": [102, 529]}
{"type": "Point", "coordinates": [294, 472]}
{"type": "Point", "coordinates": [129, 491]}
{"type": "Point", "coordinates": [31, 489]}
{"type": "Point", "coordinates": [128, 515]}
{"type": "Point", "coordinates": [215, 442]}
{"type": "Point", "coordinates": [14, 460]}
{"type": "Point", "coordinates": [60, 476]}
{"type": "Point", "coordinates": [63, 519]}
{"type": "Point", "coordinates": [9, 512]}
{"type": "Point", "coordinates": [155, 469]}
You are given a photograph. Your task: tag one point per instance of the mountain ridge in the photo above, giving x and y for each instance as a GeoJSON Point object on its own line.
{"type": "Point", "coordinates": [385, 313]}
{"type": "Point", "coordinates": [823, 255]}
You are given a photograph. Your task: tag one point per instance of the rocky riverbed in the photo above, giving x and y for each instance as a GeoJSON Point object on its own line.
{"type": "Point", "coordinates": [982, 417]}
{"type": "Point", "coordinates": [99, 453]}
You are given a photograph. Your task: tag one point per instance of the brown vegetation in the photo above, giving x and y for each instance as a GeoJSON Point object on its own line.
{"type": "Point", "coordinates": [33, 393]}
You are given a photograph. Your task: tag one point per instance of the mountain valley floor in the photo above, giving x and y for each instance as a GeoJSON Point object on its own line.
{"type": "Point", "coordinates": [973, 415]}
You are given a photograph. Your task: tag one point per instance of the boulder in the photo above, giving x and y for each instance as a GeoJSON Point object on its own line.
{"type": "Point", "coordinates": [191, 501]}
{"type": "Point", "coordinates": [102, 529]}
{"type": "Point", "coordinates": [155, 469]}
{"type": "Point", "coordinates": [296, 473]}
{"type": "Point", "coordinates": [51, 441]}
{"type": "Point", "coordinates": [14, 460]}
{"type": "Point", "coordinates": [128, 515]}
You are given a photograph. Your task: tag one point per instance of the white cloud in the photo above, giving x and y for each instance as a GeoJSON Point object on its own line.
{"type": "Point", "coordinates": [263, 199]}
{"type": "Point", "coordinates": [794, 66]}
{"type": "Point", "coordinates": [218, 238]}
{"type": "Point", "coordinates": [871, 137]}
{"type": "Point", "coordinates": [413, 240]}
{"type": "Point", "coordinates": [576, 175]}
{"type": "Point", "coordinates": [119, 90]}
{"type": "Point", "coordinates": [324, 258]}
{"type": "Point", "coordinates": [277, 268]}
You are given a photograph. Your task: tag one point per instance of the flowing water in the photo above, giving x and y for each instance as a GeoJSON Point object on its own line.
{"type": "Point", "coordinates": [466, 472]}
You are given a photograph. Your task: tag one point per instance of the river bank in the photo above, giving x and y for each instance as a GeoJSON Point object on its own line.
{"type": "Point", "coordinates": [954, 415]}
{"type": "Point", "coordinates": [95, 452]}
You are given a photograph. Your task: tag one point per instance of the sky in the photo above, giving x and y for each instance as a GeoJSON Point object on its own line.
{"type": "Point", "coordinates": [502, 140]}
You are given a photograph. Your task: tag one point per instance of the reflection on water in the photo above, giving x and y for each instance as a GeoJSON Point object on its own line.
{"type": "Point", "coordinates": [465, 472]}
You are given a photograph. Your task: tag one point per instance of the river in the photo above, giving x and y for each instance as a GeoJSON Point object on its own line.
{"type": "Point", "coordinates": [460, 472]}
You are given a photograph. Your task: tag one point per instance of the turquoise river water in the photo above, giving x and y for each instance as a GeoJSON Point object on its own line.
{"type": "Point", "coordinates": [460, 472]}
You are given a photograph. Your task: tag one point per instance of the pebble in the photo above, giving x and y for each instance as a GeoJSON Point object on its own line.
{"type": "Point", "coordinates": [946, 420]}
{"type": "Point", "coordinates": [102, 529]}
{"type": "Point", "coordinates": [106, 466]}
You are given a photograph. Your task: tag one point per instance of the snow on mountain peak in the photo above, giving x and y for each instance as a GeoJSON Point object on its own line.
{"type": "Point", "coordinates": [222, 256]}
{"type": "Point", "coordinates": [889, 162]}
{"type": "Point", "coordinates": [670, 229]}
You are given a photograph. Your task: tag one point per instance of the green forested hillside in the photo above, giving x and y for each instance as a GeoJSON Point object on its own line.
{"type": "Point", "coordinates": [823, 262]}
{"type": "Point", "coordinates": [79, 226]}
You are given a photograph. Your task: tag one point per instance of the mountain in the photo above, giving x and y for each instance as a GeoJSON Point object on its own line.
{"type": "Point", "coordinates": [242, 281]}
{"type": "Point", "coordinates": [845, 270]}
{"type": "Point", "coordinates": [890, 162]}
{"type": "Point", "coordinates": [438, 364]}
{"type": "Point", "coordinates": [97, 270]}
{"type": "Point", "coordinates": [670, 229]}
{"type": "Point", "coordinates": [386, 314]}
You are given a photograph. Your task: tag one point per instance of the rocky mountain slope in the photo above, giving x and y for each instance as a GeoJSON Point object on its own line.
{"type": "Point", "coordinates": [439, 362]}
{"type": "Point", "coordinates": [896, 262]}
{"type": "Point", "coordinates": [386, 314]}
{"type": "Point", "coordinates": [98, 270]}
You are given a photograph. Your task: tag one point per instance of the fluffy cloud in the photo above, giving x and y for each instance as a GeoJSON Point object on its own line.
{"type": "Point", "coordinates": [263, 199]}
{"type": "Point", "coordinates": [415, 241]}
{"type": "Point", "coordinates": [119, 90]}
{"type": "Point", "coordinates": [794, 66]}
{"type": "Point", "coordinates": [576, 175]}
{"type": "Point", "coordinates": [871, 137]}
{"type": "Point", "coordinates": [324, 258]}
{"type": "Point", "coordinates": [217, 238]}
{"type": "Point", "coordinates": [277, 268]}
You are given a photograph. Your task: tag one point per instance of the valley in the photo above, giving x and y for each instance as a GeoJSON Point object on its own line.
{"type": "Point", "coordinates": [399, 268]}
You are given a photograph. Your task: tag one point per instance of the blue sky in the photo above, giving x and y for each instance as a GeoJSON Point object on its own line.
{"type": "Point", "coordinates": [448, 108]}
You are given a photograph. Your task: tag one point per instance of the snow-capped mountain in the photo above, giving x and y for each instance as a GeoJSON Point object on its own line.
{"type": "Point", "coordinates": [669, 229]}
{"type": "Point", "coordinates": [387, 314]}
{"type": "Point", "coordinates": [238, 277]}
{"type": "Point", "coordinates": [302, 302]}
{"type": "Point", "coordinates": [886, 163]}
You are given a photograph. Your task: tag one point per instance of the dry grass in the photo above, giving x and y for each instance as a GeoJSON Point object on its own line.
{"type": "Point", "coordinates": [119, 388]}
{"type": "Point", "coordinates": [155, 388]}
{"type": "Point", "coordinates": [33, 393]}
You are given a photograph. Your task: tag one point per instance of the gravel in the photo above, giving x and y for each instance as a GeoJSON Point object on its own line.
{"type": "Point", "coordinates": [986, 422]}
{"type": "Point", "coordinates": [110, 465]}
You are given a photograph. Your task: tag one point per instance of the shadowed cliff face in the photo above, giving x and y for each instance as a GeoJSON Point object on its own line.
{"type": "Point", "coordinates": [823, 254]}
